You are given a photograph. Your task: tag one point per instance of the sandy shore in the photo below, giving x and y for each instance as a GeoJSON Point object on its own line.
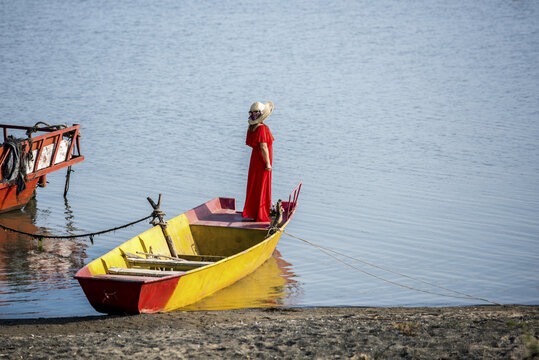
{"type": "Point", "coordinates": [480, 332]}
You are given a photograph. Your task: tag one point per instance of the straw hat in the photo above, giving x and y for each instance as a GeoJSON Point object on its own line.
{"type": "Point", "coordinates": [265, 110]}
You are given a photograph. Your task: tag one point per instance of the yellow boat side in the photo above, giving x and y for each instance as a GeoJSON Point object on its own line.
{"type": "Point", "coordinates": [151, 240]}
{"type": "Point", "coordinates": [269, 285]}
{"type": "Point", "coordinates": [199, 283]}
{"type": "Point", "coordinates": [245, 251]}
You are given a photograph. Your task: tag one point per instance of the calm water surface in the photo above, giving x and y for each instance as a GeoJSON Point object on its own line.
{"type": "Point", "coordinates": [413, 126]}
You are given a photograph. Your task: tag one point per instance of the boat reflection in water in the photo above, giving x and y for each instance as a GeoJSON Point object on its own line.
{"type": "Point", "coordinates": [272, 284]}
{"type": "Point", "coordinates": [30, 274]}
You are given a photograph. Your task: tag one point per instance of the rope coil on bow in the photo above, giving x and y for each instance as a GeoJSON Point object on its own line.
{"type": "Point", "coordinates": [158, 215]}
{"type": "Point", "coordinates": [159, 219]}
{"type": "Point", "coordinates": [14, 165]}
{"type": "Point", "coordinates": [36, 127]}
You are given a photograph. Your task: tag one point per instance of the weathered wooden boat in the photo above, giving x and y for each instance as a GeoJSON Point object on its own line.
{"type": "Point", "coordinates": [25, 162]}
{"type": "Point", "coordinates": [183, 260]}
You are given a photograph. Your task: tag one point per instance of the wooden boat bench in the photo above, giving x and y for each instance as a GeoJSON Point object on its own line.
{"type": "Point", "coordinates": [210, 258]}
{"type": "Point", "coordinates": [142, 272]}
{"type": "Point", "coordinates": [179, 264]}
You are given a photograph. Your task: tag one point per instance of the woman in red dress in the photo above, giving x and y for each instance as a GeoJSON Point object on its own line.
{"type": "Point", "coordinates": [258, 198]}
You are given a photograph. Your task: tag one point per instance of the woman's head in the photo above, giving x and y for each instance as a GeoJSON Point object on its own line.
{"type": "Point", "coordinates": [259, 112]}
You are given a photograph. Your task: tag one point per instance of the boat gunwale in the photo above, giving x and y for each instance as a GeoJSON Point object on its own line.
{"type": "Point", "coordinates": [41, 136]}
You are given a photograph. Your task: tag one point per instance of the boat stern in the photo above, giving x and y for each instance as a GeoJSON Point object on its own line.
{"type": "Point", "coordinates": [118, 294]}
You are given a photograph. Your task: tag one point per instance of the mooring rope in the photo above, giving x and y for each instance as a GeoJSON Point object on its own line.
{"type": "Point", "coordinates": [328, 252]}
{"type": "Point", "coordinates": [35, 128]}
{"type": "Point", "coordinates": [90, 235]}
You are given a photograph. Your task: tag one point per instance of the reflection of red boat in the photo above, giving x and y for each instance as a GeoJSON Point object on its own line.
{"type": "Point", "coordinates": [25, 162]}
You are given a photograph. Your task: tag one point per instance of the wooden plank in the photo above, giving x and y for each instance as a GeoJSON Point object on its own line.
{"type": "Point", "coordinates": [126, 254]}
{"type": "Point", "coordinates": [176, 264]}
{"type": "Point", "coordinates": [156, 255]}
{"type": "Point", "coordinates": [142, 272]}
{"type": "Point", "coordinates": [125, 278]}
{"type": "Point", "coordinates": [211, 258]}
{"type": "Point", "coordinates": [163, 224]}
{"type": "Point", "coordinates": [186, 257]}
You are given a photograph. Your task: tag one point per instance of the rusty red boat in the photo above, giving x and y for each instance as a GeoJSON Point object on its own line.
{"type": "Point", "coordinates": [25, 161]}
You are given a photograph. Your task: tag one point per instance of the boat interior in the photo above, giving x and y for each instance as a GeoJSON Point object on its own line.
{"type": "Point", "coordinates": [200, 237]}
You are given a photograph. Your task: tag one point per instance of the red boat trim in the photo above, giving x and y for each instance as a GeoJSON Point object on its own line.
{"type": "Point", "coordinates": [120, 294]}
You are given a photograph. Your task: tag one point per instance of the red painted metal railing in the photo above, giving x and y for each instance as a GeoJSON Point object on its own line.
{"type": "Point", "coordinates": [55, 148]}
{"type": "Point", "coordinates": [38, 144]}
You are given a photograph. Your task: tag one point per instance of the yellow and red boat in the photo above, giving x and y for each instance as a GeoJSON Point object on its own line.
{"type": "Point", "coordinates": [179, 262]}
{"type": "Point", "coordinates": [26, 161]}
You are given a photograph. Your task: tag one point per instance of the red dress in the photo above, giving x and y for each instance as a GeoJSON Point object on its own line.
{"type": "Point", "coordinates": [258, 198]}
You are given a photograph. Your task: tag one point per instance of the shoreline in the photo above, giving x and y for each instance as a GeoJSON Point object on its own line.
{"type": "Point", "coordinates": [472, 332]}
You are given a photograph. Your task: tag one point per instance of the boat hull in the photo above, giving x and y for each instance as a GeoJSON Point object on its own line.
{"type": "Point", "coordinates": [141, 295]}
{"type": "Point", "coordinates": [131, 296]}
{"type": "Point", "coordinates": [10, 200]}
{"type": "Point", "coordinates": [213, 229]}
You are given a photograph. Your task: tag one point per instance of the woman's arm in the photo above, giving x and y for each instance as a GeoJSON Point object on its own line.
{"type": "Point", "coordinates": [265, 155]}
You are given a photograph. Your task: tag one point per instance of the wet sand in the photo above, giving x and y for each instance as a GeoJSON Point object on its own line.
{"type": "Point", "coordinates": [476, 332]}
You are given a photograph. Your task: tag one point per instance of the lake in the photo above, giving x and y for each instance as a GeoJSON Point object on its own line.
{"type": "Point", "coordinates": [414, 127]}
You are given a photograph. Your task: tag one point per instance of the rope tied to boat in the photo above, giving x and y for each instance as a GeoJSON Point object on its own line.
{"type": "Point", "coordinates": [14, 166]}
{"type": "Point", "coordinates": [276, 215]}
{"type": "Point", "coordinates": [157, 215]}
{"type": "Point", "coordinates": [89, 235]}
{"type": "Point", "coordinates": [36, 127]}
{"type": "Point", "coordinates": [329, 252]}
{"type": "Point", "coordinates": [159, 219]}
